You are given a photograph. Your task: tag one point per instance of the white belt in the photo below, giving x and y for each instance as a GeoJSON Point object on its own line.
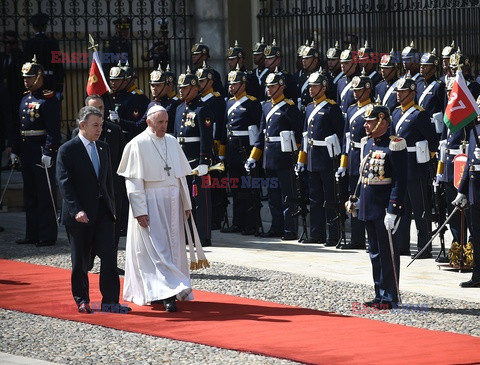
{"type": "Point", "coordinates": [273, 139]}
{"type": "Point", "coordinates": [34, 133]}
{"type": "Point", "coordinates": [238, 133]}
{"type": "Point", "coordinates": [412, 149]}
{"type": "Point", "coordinates": [317, 142]}
{"type": "Point", "coordinates": [454, 152]}
{"type": "Point", "coordinates": [188, 139]}
{"type": "Point", "coordinates": [356, 144]}
{"type": "Point", "coordinates": [474, 168]}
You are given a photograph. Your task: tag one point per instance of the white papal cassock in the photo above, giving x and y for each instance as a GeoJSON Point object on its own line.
{"type": "Point", "coordinates": [156, 265]}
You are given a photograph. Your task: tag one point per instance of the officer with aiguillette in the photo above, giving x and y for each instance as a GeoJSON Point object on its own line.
{"type": "Point", "coordinates": [244, 113]}
{"type": "Point", "coordinates": [323, 131]}
{"type": "Point", "coordinates": [413, 124]}
{"type": "Point", "coordinates": [382, 190]}
{"type": "Point", "coordinates": [36, 144]}
{"type": "Point", "coordinates": [194, 131]}
{"type": "Point", "coordinates": [280, 133]}
{"type": "Point", "coordinates": [351, 150]}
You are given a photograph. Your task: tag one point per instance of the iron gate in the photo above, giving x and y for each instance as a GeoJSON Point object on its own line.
{"type": "Point", "coordinates": [72, 21]}
{"type": "Point", "coordinates": [386, 24]}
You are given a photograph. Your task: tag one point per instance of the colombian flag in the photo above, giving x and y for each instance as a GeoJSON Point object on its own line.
{"type": "Point", "coordinates": [461, 108]}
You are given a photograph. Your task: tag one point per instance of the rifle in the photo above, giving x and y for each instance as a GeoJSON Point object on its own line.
{"type": "Point", "coordinates": [338, 205]}
{"type": "Point", "coordinates": [301, 201]}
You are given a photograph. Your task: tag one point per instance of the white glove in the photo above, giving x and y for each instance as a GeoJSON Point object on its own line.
{"type": "Point", "coordinates": [202, 169]}
{"type": "Point", "coordinates": [389, 221]}
{"type": "Point", "coordinates": [46, 161]}
{"type": "Point", "coordinates": [460, 200]}
{"type": "Point", "coordinates": [340, 172]}
{"type": "Point", "coordinates": [250, 164]}
{"type": "Point", "coordinates": [299, 167]}
{"type": "Point", "coordinates": [352, 207]}
{"type": "Point", "coordinates": [437, 181]}
{"type": "Point", "coordinates": [221, 158]}
{"type": "Point", "coordinates": [13, 158]}
{"type": "Point", "coordinates": [477, 153]}
{"type": "Point", "coordinates": [114, 116]}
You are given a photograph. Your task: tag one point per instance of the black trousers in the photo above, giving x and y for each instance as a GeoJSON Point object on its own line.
{"type": "Point", "coordinates": [201, 205]}
{"type": "Point", "coordinates": [98, 236]}
{"type": "Point", "coordinates": [39, 210]}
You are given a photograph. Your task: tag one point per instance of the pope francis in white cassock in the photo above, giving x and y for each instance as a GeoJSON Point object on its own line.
{"type": "Point", "coordinates": [154, 167]}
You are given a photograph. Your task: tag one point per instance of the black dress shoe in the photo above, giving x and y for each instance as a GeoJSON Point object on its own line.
{"type": "Point", "coordinates": [207, 242]}
{"type": "Point", "coordinates": [170, 305]}
{"type": "Point", "coordinates": [84, 308]}
{"type": "Point", "coordinates": [472, 283]}
{"type": "Point", "coordinates": [249, 232]}
{"type": "Point", "coordinates": [289, 237]}
{"type": "Point", "coordinates": [330, 243]}
{"type": "Point", "coordinates": [45, 243]}
{"type": "Point", "coordinates": [270, 234]}
{"type": "Point", "coordinates": [313, 240]}
{"type": "Point", "coordinates": [353, 246]}
{"type": "Point", "coordinates": [424, 255]}
{"type": "Point", "coordinates": [372, 303]}
{"type": "Point", "coordinates": [120, 271]}
{"type": "Point", "coordinates": [25, 241]}
{"type": "Point", "coordinates": [115, 308]}
{"type": "Point", "coordinates": [231, 229]}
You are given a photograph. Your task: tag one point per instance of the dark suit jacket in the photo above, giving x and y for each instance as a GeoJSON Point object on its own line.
{"type": "Point", "coordinates": [78, 182]}
{"type": "Point", "coordinates": [112, 134]}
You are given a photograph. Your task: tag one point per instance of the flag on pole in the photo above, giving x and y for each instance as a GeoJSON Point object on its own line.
{"type": "Point", "coordinates": [461, 108]}
{"type": "Point", "coordinates": [96, 84]}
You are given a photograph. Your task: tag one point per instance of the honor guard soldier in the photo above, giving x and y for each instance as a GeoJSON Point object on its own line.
{"type": "Point", "coordinates": [118, 48]}
{"type": "Point", "coordinates": [273, 61]}
{"type": "Point", "coordinates": [385, 89]}
{"type": "Point", "coordinates": [200, 54]}
{"type": "Point", "coordinates": [413, 124]}
{"type": "Point", "coordinates": [451, 144]}
{"type": "Point", "coordinates": [311, 59]}
{"type": "Point", "coordinates": [323, 131]}
{"type": "Point", "coordinates": [446, 54]}
{"type": "Point", "coordinates": [44, 48]}
{"type": "Point", "coordinates": [280, 128]}
{"type": "Point", "coordinates": [37, 142]}
{"type": "Point", "coordinates": [298, 64]}
{"type": "Point", "coordinates": [236, 57]}
{"type": "Point", "coordinates": [335, 72]}
{"type": "Point", "coordinates": [194, 131]}
{"type": "Point", "coordinates": [162, 87]}
{"type": "Point", "coordinates": [460, 61]}
{"type": "Point", "coordinates": [431, 91]}
{"type": "Point", "coordinates": [243, 120]}
{"type": "Point", "coordinates": [344, 91]}
{"type": "Point", "coordinates": [260, 71]}
{"type": "Point", "coordinates": [469, 192]}
{"type": "Point", "coordinates": [351, 150]}
{"type": "Point", "coordinates": [411, 62]}
{"type": "Point", "coordinates": [382, 192]}
{"type": "Point", "coordinates": [368, 60]}
{"type": "Point", "coordinates": [216, 103]}
{"type": "Point", "coordinates": [126, 104]}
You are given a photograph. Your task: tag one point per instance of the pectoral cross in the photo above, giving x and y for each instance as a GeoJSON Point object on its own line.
{"type": "Point", "coordinates": [167, 169]}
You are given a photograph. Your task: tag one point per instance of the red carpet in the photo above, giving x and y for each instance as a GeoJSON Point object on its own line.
{"type": "Point", "coordinates": [241, 324]}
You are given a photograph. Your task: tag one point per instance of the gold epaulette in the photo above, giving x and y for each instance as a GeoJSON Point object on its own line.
{"type": "Point", "coordinates": [331, 101]}
{"type": "Point", "coordinates": [397, 143]}
{"type": "Point", "coordinates": [26, 92]}
{"type": "Point", "coordinates": [418, 107]}
{"type": "Point", "coordinates": [253, 98]}
{"type": "Point", "coordinates": [216, 93]}
{"type": "Point", "coordinates": [289, 101]}
{"type": "Point", "coordinates": [137, 91]}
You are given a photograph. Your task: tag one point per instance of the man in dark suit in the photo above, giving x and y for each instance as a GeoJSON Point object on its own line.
{"type": "Point", "coordinates": [112, 134]}
{"type": "Point", "coordinates": [84, 176]}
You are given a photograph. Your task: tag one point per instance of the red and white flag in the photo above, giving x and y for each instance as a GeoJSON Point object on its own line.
{"type": "Point", "coordinates": [96, 84]}
{"type": "Point", "coordinates": [461, 108]}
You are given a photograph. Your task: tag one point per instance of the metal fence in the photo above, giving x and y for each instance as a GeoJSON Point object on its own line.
{"type": "Point", "coordinates": [72, 21]}
{"type": "Point", "coordinates": [386, 24]}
